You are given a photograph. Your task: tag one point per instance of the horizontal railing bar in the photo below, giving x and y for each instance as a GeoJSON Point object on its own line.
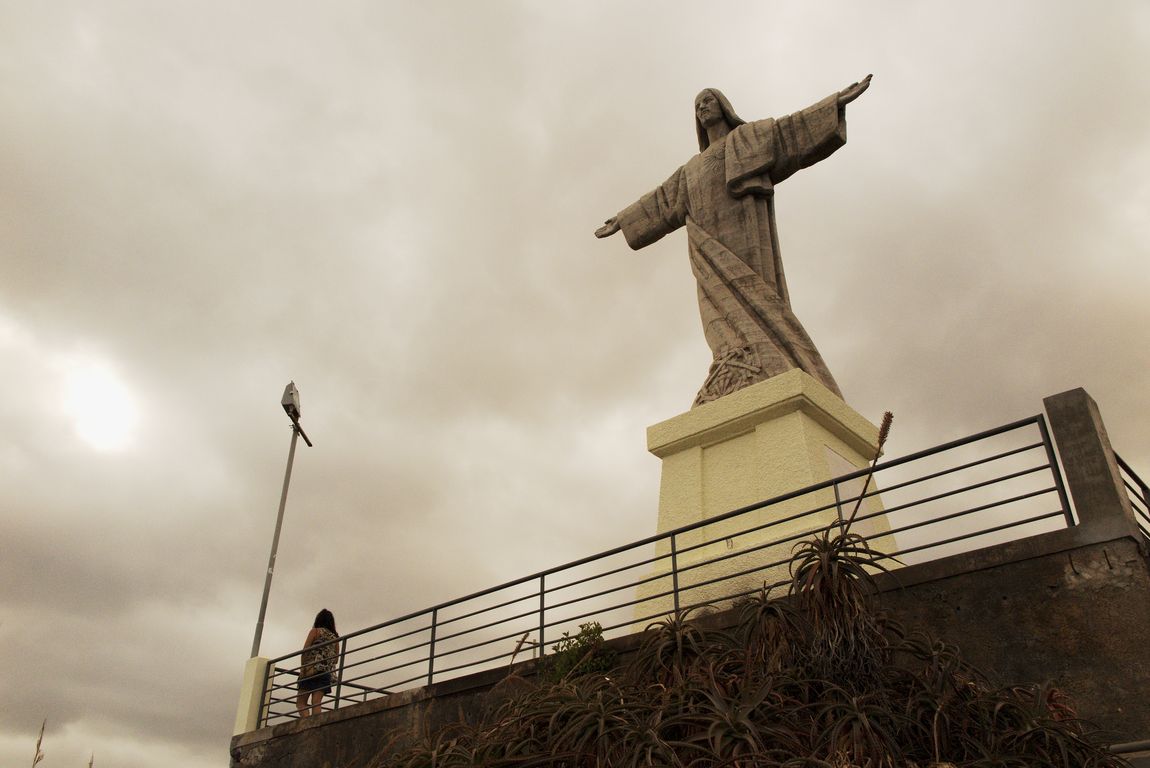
{"type": "Point", "coordinates": [286, 687]}
{"type": "Point", "coordinates": [709, 562]}
{"type": "Point", "coordinates": [964, 489]}
{"type": "Point", "coordinates": [473, 646]}
{"type": "Point", "coordinates": [1129, 470]}
{"type": "Point", "coordinates": [951, 471]}
{"type": "Point", "coordinates": [965, 512]}
{"type": "Point", "coordinates": [576, 617]}
{"type": "Point", "coordinates": [885, 511]}
{"type": "Point", "coordinates": [390, 638]}
{"type": "Point", "coordinates": [471, 664]}
{"type": "Point", "coordinates": [375, 674]}
{"type": "Point", "coordinates": [356, 685]}
{"type": "Point", "coordinates": [421, 661]}
{"type": "Point", "coordinates": [386, 690]}
{"type": "Point", "coordinates": [757, 528]}
{"type": "Point", "coordinates": [842, 479]}
{"type": "Point", "coordinates": [301, 652]}
{"type": "Point", "coordinates": [390, 654]}
{"type": "Point", "coordinates": [421, 676]}
{"type": "Point", "coordinates": [984, 532]}
{"type": "Point", "coordinates": [718, 579]}
{"type": "Point", "coordinates": [1135, 492]}
{"type": "Point", "coordinates": [709, 521]}
{"type": "Point", "coordinates": [655, 576]}
{"type": "Point", "coordinates": [944, 447]}
{"type": "Point", "coordinates": [707, 601]}
{"type": "Point", "coordinates": [862, 519]}
{"type": "Point", "coordinates": [629, 604]}
{"type": "Point", "coordinates": [282, 701]}
{"type": "Point", "coordinates": [398, 651]}
{"type": "Point", "coordinates": [593, 595]}
{"type": "Point", "coordinates": [640, 620]}
{"type": "Point", "coordinates": [525, 614]}
{"type": "Point", "coordinates": [488, 609]}
{"type": "Point", "coordinates": [400, 683]}
{"type": "Point", "coordinates": [741, 553]}
{"type": "Point", "coordinates": [604, 574]}
{"type": "Point", "coordinates": [766, 545]}
{"type": "Point", "coordinates": [381, 657]}
{"type": "Point", "coordinates": [361, 648]}
{"type": "Point", "coordinates": [598, 600]}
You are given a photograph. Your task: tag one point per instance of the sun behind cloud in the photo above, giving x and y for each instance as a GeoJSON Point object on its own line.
{"type": "Point", "coordinates": [102, 407]}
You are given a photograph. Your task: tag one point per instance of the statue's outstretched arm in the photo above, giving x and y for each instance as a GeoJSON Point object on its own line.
{"type": "Point", "coordinates": [853, 91]}
{"type": "Point", "coordinates": [610, 227]}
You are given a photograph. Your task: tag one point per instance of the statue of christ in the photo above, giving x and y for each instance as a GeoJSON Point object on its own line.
{"type": "Point", "coordinates": [725, 197]}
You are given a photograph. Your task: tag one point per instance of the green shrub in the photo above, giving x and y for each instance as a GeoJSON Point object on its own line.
{"type": "Point", "coordinates": [583, 654]}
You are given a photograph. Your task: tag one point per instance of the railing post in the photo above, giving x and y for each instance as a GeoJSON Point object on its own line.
{"type": "Point", "coordinates": [838, 504]}
{"type": "Point", "coordinates": [339, 674]}
{"type": "Point", "coordinates": [675, 573]}
{"type": "Point", "coordinates": [431, 648]}
{"type": "Point", "coordinates": [542, 613]}
{"type": "Point", "coordinates": [1092, 472]}
{"type": "Point", "coordinates": [1059, 485]}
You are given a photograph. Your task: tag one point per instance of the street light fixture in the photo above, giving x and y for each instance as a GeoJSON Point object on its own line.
{"type": "Point", "coordinates": [290, 403]}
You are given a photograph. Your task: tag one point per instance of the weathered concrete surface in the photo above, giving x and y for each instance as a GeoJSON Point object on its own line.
{"type": "Point", "coordinates": [1088, 460]}
{"type": "Point", "coordinates": [352, 736]}
{"type": "Point", "coordinates": [1077, 617]}
{"type": "Point", "coordinates": [1059, 607]}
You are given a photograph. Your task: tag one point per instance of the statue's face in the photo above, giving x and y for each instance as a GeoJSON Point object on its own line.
{"type": "Point", "coordinates": [707, 109]}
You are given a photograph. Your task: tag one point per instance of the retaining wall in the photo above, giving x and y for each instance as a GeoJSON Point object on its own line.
{"type": "Point", "coordinates": [1071, 607]}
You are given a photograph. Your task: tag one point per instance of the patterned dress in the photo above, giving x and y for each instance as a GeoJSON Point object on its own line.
{"type": "Point", "coordinates": [319, 662]}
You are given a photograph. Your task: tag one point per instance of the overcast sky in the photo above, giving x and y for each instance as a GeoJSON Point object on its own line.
{"type": "Point", "coordinates": [393, 205]}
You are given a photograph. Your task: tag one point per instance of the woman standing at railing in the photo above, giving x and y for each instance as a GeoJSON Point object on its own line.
{"type": "Point", "coordinates": [317, 664]}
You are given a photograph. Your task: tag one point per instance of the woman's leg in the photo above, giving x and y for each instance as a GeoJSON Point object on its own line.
{"type": "Point", "coordinates": [316, 698]}
{"type": "Point", "coordinates": [301, 703]}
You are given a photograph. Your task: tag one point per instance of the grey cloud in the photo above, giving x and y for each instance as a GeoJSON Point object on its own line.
{"type": "Point", "coordinates": [393, 206]}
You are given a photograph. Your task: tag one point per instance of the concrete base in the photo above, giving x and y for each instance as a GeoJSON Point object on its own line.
{"type": "Point", "coordinates": [766, 440]}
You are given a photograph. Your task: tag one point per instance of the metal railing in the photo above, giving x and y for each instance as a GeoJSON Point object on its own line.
{"type": "Point", "coordinates": [997, 485]}
{"type": "Point", "coordinates": [1138, 493]}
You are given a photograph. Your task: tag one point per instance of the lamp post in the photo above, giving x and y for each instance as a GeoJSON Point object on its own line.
{"type": "Point", "coordinates": [290, 403]}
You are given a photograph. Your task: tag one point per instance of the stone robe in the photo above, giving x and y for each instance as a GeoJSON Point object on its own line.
{"type": "Point", "coordinates": [724, 197]}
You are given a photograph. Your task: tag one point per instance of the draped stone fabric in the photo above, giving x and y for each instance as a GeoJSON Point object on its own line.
{"type": "Point", "coordinates": [725, 197]}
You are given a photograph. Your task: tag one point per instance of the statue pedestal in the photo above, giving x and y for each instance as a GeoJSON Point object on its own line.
{"type": "Point", "coordinates": [765, 440]}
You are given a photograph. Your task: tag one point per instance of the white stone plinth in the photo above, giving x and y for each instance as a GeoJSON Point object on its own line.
{"type": "Point", "coordinates": [253, 695]}
{"type": "Point", "coordinates": [767, 440]}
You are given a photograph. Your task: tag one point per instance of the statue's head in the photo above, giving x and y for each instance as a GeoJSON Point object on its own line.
{"type": "Point", "coordinates": [710, 106]}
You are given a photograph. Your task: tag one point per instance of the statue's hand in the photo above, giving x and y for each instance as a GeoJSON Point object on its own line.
{"type": "Point", "coordinates": [853, 91]}
{"type": "Point", "coordinates": [610, 227]}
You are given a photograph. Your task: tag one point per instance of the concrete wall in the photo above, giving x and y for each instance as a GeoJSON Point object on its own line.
{"type": "Point", "coordinates": [1076, 616]}
{"type": "Point", "coordinates": [354, 735]}
{"type": "Point", "coordinates": [1070, 606]}
{"type": "Point", "coordinates": [1047, 608]}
